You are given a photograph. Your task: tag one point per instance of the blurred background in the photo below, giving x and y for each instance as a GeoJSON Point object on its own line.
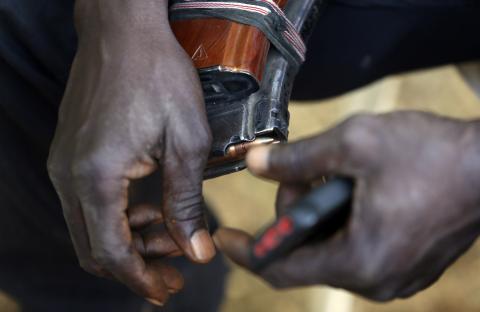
{"type": "Point", "coordinates": [243, 201]}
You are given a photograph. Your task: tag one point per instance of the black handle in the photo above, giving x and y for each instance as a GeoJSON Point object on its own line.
{"type": "Point", "coordinates": [313, 214]}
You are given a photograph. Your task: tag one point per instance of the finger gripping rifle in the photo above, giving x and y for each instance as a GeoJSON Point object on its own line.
{"type": "Point", "coordinates": [247, 53]}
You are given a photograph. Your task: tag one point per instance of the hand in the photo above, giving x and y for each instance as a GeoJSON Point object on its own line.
{"type": "Point", "coordinates": [133, 105]}
{"type": "Point", "coordinates": [415, 207]}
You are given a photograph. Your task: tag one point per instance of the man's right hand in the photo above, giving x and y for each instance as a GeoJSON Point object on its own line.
{"type": "Point", "coordinates": [415, 207]}
{"type": "Point", "coordinates": [133, 105]}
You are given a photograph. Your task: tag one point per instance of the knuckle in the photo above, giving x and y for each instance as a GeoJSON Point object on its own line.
{"type": "Point", "coordinates": [56, 168]}
{"type": "Point", "coordinates": [113, 257]}
{"type": "Point", "coordinates": [105, 259]}
{"type": "Point", "coordinates": [374, 285]}
{"type": "Point", "coordinates": [292, 154]}
{"type": "Point", "coordinates": [194, 138]}
{"type": "Point", "coordinates": [291, 159]}
{"type": "Point", "coordinates": [89, 169]}
{"type": "Point", "coordinates": [102, 258]}
{"type": "Point", "coordinates": [90, 267]}
{"type": "Point", "coordinates": [370, 274]}
{"type": "Point", "coordinates": [367, 279]}
{"type": "Point", "coordinates": [188, 205]}
{"type": "Point", "coordinates": [377, 266]}
{"type": "Point", "coordinates": [383, 294]}
{"type": "Point", "coordinates": [359, 136]}
{"type": "Point", "coordinates": [360, 120]}
{"type": "Point", "coordinates": [357, 129]}
{"type": "Point", "coordinates": [51, 165]}
{"type": "Point", "coordinates": [190, 153]}
{"type": "Point", "coordinates": [206, 138]}
{"type": "Point", "coordinates": [201, 144]}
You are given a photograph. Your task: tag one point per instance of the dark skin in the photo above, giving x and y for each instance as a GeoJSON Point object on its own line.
{"type": "Point", "coordinates": [415, 206]}
{"type": "Point", "coordinates": [133, 106]}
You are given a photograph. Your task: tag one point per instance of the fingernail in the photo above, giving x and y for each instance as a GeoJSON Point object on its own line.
{"type": "Point", "coordinates": [257, 159]}
{"type": "Point", "coordinates": [172, 291]}
{"type": "Point", "coordinates": [202, 246]}
{"type": "Point", "coordinates": [155, 302]}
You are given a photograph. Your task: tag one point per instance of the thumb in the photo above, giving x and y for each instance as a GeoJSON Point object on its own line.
{"type": "Point", "coordinates": [185, 220]}
{"type": "Point", "coordinates": [235, 244]}
{"type": "Point", "coordinates": [300, 162]}
{"type": "Point", "coordinates": [341, 150]}
{"type": "Point", "coordinates": [183, 204]}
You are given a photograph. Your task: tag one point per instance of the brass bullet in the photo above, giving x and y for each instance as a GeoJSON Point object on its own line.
{"type": "Point", "coordinates": [238, 151]}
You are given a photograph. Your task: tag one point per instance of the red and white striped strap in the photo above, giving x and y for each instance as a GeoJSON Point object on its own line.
{"type": "Point", "coordinates": [261, 8]}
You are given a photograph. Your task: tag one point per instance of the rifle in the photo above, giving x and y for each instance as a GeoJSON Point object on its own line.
{"type": "Point", "coordinates": [246, 79]}
{"type": "Point", "coordinates": [230, 57]}
{"type": "Point", "coordinates": [247, 86]}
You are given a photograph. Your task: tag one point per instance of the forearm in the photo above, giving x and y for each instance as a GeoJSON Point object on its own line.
{"type": "Point", "coordinates": [141, 21]}
{"type": "Point", "coordinates": [125, 47]}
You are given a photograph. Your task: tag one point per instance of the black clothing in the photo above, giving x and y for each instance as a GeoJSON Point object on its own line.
{"type": "Point", "coordinates": [38, 266]}
{"type": "Point", "coordinates": [409, 3]}
{"type": "Point", "coordinates": [352, 45]}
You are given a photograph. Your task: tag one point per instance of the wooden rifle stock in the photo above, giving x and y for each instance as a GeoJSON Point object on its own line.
{"type": "Point", "coordinates": [229, 56]}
